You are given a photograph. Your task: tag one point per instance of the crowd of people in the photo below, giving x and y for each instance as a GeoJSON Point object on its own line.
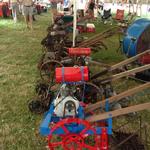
{"type": "Point", "coordinates": [25, 7]}
{"type": "Point", "coordinates": [86, 6]}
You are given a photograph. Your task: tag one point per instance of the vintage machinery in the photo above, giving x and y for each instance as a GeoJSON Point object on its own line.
{"type": "Point", "coordinates": [99, 86]}
{"type": "Point", "coordinates": [79, 116]}
{"type": "Point", "coordinates": [42, 101]}
{"type": "Point", "coordinates": [98, 39]}
{"type": "Point", "coordinates": [58, 54]}
{"type": "Point", "coordinates": [74, 122]}
{"type": "Point", "coordinates": [67, 118]}
{"type": "Point", "coordinates": [137, 40]}
{"type": "Point", "coordinates": [75, 57]}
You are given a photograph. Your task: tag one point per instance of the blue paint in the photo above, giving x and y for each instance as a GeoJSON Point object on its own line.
{"type": "Point", "coordinates": [109, 119]}
{"type": "Point", "coordinates": [44, 127]}
{"type": "Point", "coordinates": [107, 105]}
{"type": "Point", "coordinates": [50, 117]}
{"type": "Point", "coordinates": [133, 34]}
{"type": "Point", "coordinates": [73, 128]}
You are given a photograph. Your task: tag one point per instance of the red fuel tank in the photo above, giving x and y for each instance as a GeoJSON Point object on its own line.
{"type": "Point", "coordinates": [72, 74]}
{"type": "Point", "coordinates": [79, 51]}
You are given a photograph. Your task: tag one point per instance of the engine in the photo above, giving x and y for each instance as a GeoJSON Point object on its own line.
{"type": "Point", "coordinates": [65, 104]}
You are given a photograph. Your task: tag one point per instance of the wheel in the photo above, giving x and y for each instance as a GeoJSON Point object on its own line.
{"type": "Point", "coordinates": [40, 104]}
{"type": "Point", "coordinates": [35, 106]}
{"type": "Point", "coordinates": [47, 70]}
{"type": "Point", "coordinates": [89, 92]}
{"type": "Point", "coordinates": [71, 140]}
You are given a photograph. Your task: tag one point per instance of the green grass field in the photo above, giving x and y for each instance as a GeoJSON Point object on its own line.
{"type": "Point", "coordinates": [20, 51]}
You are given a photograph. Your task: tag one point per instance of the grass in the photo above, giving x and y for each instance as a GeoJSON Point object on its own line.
{"type": "Point", "coordinates": [20, 50]}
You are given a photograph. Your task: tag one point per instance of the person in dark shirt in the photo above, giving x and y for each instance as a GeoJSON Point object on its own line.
{"type": "Point", "coordinates": [91, 8]}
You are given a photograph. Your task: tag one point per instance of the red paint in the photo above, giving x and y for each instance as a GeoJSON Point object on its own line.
{"type": "Point", "coordinates": [104, 140]}
{"type": "Point", "coordinates": [79, 51]}
{"type": "Point", "coordinates": [4, 4]}
{"type": "Point", "coordinates": [71, 74]}
{"type": "Point", "coordinates": [89, 29]}
{"type": "Point", "coordinates": [145, 59]}
{"type": "Point", "coordinates": [73, 141]}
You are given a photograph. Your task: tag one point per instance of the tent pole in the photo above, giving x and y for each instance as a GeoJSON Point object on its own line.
{"type": "Point", "coordinates": [74, 22]}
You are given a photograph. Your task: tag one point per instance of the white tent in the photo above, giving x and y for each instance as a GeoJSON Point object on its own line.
{"type": "Point", "coordinates": [78, 4]}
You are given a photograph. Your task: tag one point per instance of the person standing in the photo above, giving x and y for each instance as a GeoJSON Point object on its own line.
{"type": "Point", "coordinates": [28, 12]}
{"type": "Point", "coordinates": [91, 8]}
{"type": "Point", "coordinates": [53, 9]}
{"type": "Point", "coordinates": [15, 8]}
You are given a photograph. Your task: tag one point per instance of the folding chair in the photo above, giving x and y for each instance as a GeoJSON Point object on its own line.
{"type": "Point", "coordinates": [119, 15]}
{"type": "Point", "coordinates": [121, 19]}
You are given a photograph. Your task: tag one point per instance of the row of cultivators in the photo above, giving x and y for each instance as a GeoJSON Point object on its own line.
{"type": "Point", "coordinates": [77, 102]}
